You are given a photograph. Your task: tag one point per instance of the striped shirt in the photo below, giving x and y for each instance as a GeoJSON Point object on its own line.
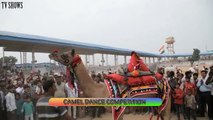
{"type": "Point", "coordinates": [46, 112]}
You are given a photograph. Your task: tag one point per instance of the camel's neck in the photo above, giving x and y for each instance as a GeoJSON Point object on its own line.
{"type": "Point", "coordinates": [88, 85]}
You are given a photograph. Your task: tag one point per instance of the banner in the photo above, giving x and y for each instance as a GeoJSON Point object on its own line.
{"type": "Point", "coordinates": [105, 102]}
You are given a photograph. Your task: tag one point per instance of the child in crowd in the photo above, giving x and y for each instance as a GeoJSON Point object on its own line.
{"type": "Point", "coordinates": [28, 109]}
{"type": "Point", "coordinates": [178, 100]}
{"type": "Point", "coordinates": [190, 103]}
{"type": "Point", "coordinates": [19, 104]}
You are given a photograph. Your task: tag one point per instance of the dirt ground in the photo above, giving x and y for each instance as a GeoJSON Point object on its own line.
{"type": "Point", "coordinates": [108, 116]}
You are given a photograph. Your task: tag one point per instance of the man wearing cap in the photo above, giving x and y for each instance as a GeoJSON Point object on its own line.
{"type": "Point", "coordinates": [60, 85]}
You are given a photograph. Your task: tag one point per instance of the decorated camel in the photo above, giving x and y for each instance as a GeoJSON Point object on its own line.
{"type": "Point", "coordinates": [138, 82]}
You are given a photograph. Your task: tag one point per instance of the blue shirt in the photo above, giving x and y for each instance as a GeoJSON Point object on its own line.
{"type": "Point", "coordinates": [19, 104]}
{"type": "Point", "coordinates": [202, 86]}
{"type": "Point", "coordinates": [27, 108]}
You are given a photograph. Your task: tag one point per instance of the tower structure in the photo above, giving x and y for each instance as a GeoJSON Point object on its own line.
{"type": "Point", "coordinates": [170, 45]}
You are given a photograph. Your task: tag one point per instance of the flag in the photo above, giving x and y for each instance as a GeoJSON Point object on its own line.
{"type": "Point", "coordinates": [162, 52]}
{"type": "Point", "coordinates": [162, 49]}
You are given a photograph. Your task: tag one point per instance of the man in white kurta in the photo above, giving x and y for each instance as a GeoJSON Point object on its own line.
{"type": "Point", "coordinates": [11, 104]}
{"type": "Point", "coordinates": [71, 92]}
{"type": "Point", "coordinates": [60, 86]}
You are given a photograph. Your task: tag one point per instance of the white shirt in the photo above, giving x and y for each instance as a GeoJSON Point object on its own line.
{"type": "Point", "coordinates": [20, 90]}
{"type": "Point", "coordinates": [10, 101]}
{"type": "Point", "coordinates": [204, 87]}
{"type": "Point", "coordinates": [71, 92]}
{"type": "Point", "coordinates": [39, 90]}
{"type": "Point", "coordinates": [2, 99]}
{"type": "Point", "coordinates": [60, 90]}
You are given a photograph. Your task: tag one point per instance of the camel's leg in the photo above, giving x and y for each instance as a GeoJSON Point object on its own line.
{"type": "Point", "coordinates": [166, 114]}
{"type": "Point", "coordinates": [121, 117]}
{"type": "Point", "coordinates": [158, 117]}
{"type": "Point", "coordinates": [151, 116]}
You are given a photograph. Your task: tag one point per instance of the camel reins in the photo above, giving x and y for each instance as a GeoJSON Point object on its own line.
{"type": "Point", "coordinates": [76, 60]}
{"type": "Point", "coordinates": [70, 74]}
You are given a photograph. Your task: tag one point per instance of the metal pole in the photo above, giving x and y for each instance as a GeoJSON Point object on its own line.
{"type": "Point", "coordinates": [93, 59]}
{"type": "Point", "coordinates": [33, 61]}
{"type": "Point", "coordinates": [102, 61]}
{"type": "Point", "coordinates": [21, 60]}
{"type": "Point", "coordinates": [125, 59]}
{"type": "Point", "coordinates": [3, 57]}
{"type": "Point", "coordinates": [107, 60]}
{"type": "Point", "coordinates": [153, 60]}
{"type": "Point", "coordinates": [115, 60]}
{"type": "Point", "coordinates": [149, 60]}
{"type": "Point", "coordinates": [86, 60]}
{"type": "Point", "coordinates": [50, 66]}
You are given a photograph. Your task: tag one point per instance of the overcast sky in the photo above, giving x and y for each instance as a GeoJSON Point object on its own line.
{"type": "Point", "coordinates": [134, 24]}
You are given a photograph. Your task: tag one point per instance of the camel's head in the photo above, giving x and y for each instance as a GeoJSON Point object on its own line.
{"type": "Point", "coordinates": [65, 58]}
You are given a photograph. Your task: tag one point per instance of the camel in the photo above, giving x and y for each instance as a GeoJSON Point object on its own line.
{"type": "Point", "coordinates": [90, 88]}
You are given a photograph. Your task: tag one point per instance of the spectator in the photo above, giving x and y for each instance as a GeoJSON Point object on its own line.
{"type": "Point", "coordinates": [60, 86]}
{"type": "Point", "coordinates": [204, 94]}
{"type": "Point", "coordinates": [197, 91]}
{"type": "Point", "coordinates": [11, 103]}
{"type": "Point", "coordinates": [195, 78]}
{"type": "Point", "coordinates": [39, 89]}
{"type": "Point", "coordinates": [19, 104]}
{"type": "Point", "coordinates": [71, 90]}
{"type": "Point", "coordinates": [190, 103]}
{"type": "Point", "coordinates": [178, 100]}
{"type": "Point", "coordinates": [189, 86]}
{"type": "Point", "coordinates": [20, 88]}
{"type": "Point", "coordinates": [172, 83]}
{"type": "Point", "coordinates": [46, 112]}
{"type": "Point", "coordinates": [27, 108]}
{"type": "Point", "coordinates": [26, 92]}
{"type": "Point", "coordinates": [1, 100]}
{"type": "Point", "coordinates": [209, 81]}
{"type": "Point", "coordinates": [179, 77]}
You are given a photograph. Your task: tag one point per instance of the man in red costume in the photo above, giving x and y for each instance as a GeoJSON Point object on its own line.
{"type": "Point", "coordinates": [136, 67]}
{"type": "Point", "coordinates": [136, 63]}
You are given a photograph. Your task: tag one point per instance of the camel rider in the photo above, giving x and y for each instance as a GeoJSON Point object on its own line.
{"type": "Point", "coordinates": [136, 63]}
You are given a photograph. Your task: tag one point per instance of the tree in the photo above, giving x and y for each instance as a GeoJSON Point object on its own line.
{"type": "Point", "coordinates": [8, 62]}
{"type": "Point", "coordinates": [195, 56]}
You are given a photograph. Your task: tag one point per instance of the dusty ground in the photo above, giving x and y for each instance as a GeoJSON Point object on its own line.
{"type": "Point", "coordinates": [108, 116]}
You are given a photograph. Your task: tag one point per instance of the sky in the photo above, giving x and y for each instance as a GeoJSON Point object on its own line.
{"type": "Point", "coordinates": [134, 24]}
